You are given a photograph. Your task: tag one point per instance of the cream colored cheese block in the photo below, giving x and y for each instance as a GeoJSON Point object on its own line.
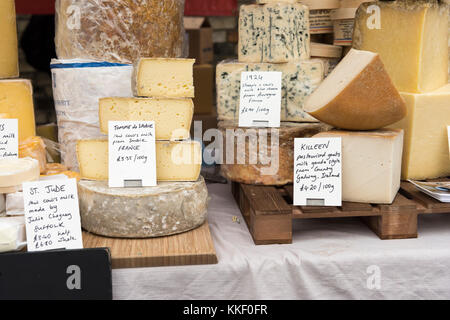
{"type": "Point", "coordinates": [12, 234]}
{"type": "Point", "coordinates": [172, 117]}
{"type": "Point", "coordinates": [175, 161]}
{"type": "Point", "coordinates": [14, 172]}
{"type": "Point", "coordinates": [169, 208]}
{"type": "Point", "coordinates": [371, 164]}
{"type": "Point", "coordinates": [163, 78]}
{"type": "Point", "coordinates": [16, 100]}
{"type": "Point", "coordinates": [357, 95]}
{"type": "Point", "coordinates": [299, 80]}
{"type": "Point", "coordinates": [9, 59]}
{"type": "Point", "coordinates": [412, 41]}
{"type": "Point", "coordinates": [426, 150]}
{"type": "Point", "coordinates": [14, 204]}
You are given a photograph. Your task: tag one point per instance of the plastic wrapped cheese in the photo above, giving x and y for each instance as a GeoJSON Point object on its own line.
{"type": "Point", "coordinates": [14, 204]}
{"type": "Point", "coordinates": [12, 234]}
{"type": "Point", "coordinates": [119, 30]}
{"type": "Point", "coordinates": [2, 205]}
{"type": "Point", "coordinates": [263, 155]}
{"type": "Point", "coordinates": [77, 87]}
{"type": "Point", "coordinates": [34, 147]}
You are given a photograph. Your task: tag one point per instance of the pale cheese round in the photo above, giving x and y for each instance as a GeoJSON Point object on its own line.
{"type": "Point", "coordinates": [14, 172]}
{"type": "Point", "coordinates": [169, 208]}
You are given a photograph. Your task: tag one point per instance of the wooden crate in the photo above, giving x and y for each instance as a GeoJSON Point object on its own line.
{"type": "Point", "coordinates": [268, 212]}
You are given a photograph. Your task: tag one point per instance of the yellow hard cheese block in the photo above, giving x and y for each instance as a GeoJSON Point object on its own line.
{"type": "Point", "coordinates": [175, 161]}
{"type": "Point", "coordinates": [9, 62]}
{"type": "Point", "coordinates": [164, 78]}
{"type": "Point", "coordinates": [371, 164]}
{"type": "Point", "coordinates": [426, 148]}
{"type": "Point", "coordinates": [411, 37]}
{"type": "Point", "coordinates": [172, 117]}
{"type": "Point", "coordinates": [16, 99]}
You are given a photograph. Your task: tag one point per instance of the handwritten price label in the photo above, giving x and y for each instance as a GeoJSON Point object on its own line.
{"type": "Point", "coordinates": [318, 172]}
{"type": "Point", "coordinates": [260, 104]}
{"type": "Point", "coordinates": [52, 215]}
{"type": "Point", "coordinates": [132, 156]}
{"type": "Point", "coordinates": [9, 138]}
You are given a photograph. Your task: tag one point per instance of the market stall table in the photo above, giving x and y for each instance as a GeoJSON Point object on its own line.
{"type": "Point", "coordinates": [328, 259]}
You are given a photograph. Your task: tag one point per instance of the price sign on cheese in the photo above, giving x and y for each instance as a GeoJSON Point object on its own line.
{"type": "Point", "coordinates": [318, 172]}
{"type": "Point", "coordinates": [52, 215]}
{"type": "Point", "coordinates": [260, 103]}
{"type": "Point", "coordinates": [132, 156]}
{"type": "Point", "coordinates": [9, 142]}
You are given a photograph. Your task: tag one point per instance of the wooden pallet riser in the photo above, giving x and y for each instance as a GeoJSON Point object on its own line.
{"type": "Point", "coordinates": [268, 212]}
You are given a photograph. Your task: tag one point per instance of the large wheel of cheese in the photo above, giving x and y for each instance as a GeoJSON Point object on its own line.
{"type": "Point", "coordinates": [169, 208]}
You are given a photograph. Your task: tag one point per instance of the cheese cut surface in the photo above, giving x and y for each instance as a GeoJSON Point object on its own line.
{"type": "Point", "coordinates": [371, 164]}
{"type": "Point", "coordinates": [164, 78]}
{"type": "Point", "coordinates": [173, 117]}
{"type": "Point", "coordinates": [169, 208]}
{"type": "Point", "coordinates": [9, 59]}
{"type": "Point", "coordinates": [14, 172]}
{"type": "Point", "coordinates": [274, 32]}
{"type": "Point", "coordinates": [299, 80]}
{"type": "Point", "coordinates": [262, 156]}
{"type": "Point", "coordinates": [175, 161]}
{"type": "Point", "coordinates": [426, 150]}
{"type": "Point", "coordinates": [412, 42]}
{"type": "Point", "coordinates": [357, 95]}
{"type": "Point", "coordinates": [16, 99]}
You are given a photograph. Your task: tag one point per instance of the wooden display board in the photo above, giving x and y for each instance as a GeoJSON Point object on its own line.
{"type": "Point", "coordinates": [190, 248]}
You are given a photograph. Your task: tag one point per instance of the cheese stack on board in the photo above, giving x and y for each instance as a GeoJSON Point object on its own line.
{"type": "Point", "coordinates": [163, 90]}
{"type": "Point", "coordinates": [413, 45]}
{"type": "Point", "coordinates": [273, 36]}
{"type": "Point", "coordinates": [359, 99]}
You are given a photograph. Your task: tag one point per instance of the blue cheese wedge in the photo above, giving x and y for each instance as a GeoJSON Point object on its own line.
{"type": "Point", "coordinates": [274, 32]}
{"type": "Point", "coordinates": [299, 80]}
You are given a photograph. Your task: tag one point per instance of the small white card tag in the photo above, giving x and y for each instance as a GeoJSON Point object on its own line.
{"type": "Point", "coordinates": [318, 172]}
{"type": "Point", "coordinates": [52, 215]}
{"type": "Point", "coordinates": [260, 103]}
{"type": "Point", "coordinates": [132, 155]}
{"type": "Point", "coordinates": [9, 138]}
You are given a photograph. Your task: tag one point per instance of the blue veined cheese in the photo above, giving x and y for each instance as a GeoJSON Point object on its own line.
{"type": "Point", "coordinates": [274, 33]}
{"type": "Point", "coordinates": [299, 80]}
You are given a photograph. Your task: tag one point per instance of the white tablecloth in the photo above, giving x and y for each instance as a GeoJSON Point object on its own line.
{"type": "Point", "coordinates": [329, 259]}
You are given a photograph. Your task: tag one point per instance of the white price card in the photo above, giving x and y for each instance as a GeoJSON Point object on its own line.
{"type": "Point", "coordinates": [52, 215]}
{"type": "Point", "coordinates": [9, 138]}
{"type": "Point", "coordinates": [318, 172]}
{"type": "Point", "coordinates": [132, 155]}
{"type": "Point", "coordinates": [260, 103]}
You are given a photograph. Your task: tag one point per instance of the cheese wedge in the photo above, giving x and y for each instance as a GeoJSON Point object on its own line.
{"type": "Point", "coordinates": [175, 161]}
{"type": "Point", "coordinates": [371, 164]}
{"type": "Point", "coordinates": [164, 78]}
{"type": "Point", "coordinates": [426, 149]}
{"type": "Point", "coordinates": [411, 37]}
{"type": "Point", "coordinates": [16, 100]}
{"type": "Point", "coordinates": [172, 117]}
{"type": "Point", "coordinates": [9, 58]}
{"type": "Point", "coordinates": [357, 95]}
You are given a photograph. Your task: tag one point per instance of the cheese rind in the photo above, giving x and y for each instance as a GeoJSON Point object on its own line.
{"type": "Point", "coordinates": [371, 164]}
{"type": "Point", "coordinates": [357, 95]}
{"type": "Point", "coordinates": [299, 80]}
{"type": "Point", "coordinates": [16, 99]}
{"type": "Point", "coordinates": [14, 172]}
{"type": "Point", "coordinates": [172, 117]}
{"type": "Point", "coordinates": [426, 148]}
{"type": "Point", "coordinates": [163, 78]}
{"type": "Point", "coordinates": [34, 147]}
{"type": "Point", "coordinates": [263, 156]}
{"type": "Point", "coordinates": [175, 161]}
{"type": "Point", "coordinates": [9, 59]}
{"type": "Point", "coordinates": [412, 41]}
{"type": "Point", "coordinates": [274, 32]}
{"type": "Point", "coordinates": [169, 208]}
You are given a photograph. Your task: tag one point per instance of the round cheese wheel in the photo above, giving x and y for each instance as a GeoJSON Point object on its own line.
{"type": "Point", "coordinates": [169, 208]}
{"type": "Point", "coordinates": [14, 172]}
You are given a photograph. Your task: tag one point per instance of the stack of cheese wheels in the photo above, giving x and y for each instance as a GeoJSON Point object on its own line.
{"type": "Point", "coordinates": [163, 90]}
